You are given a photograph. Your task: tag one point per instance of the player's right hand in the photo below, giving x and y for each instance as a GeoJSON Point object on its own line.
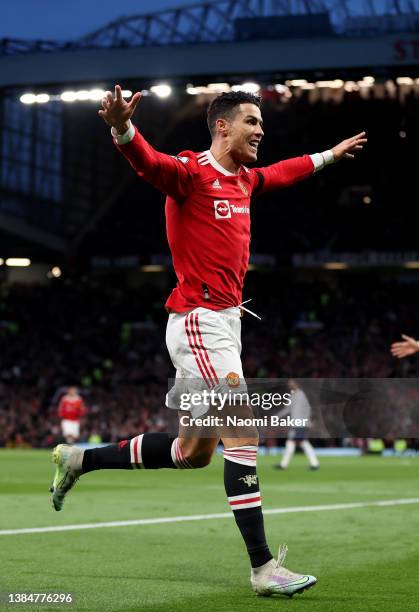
{"type": "Point", "coordinates": [116, 111]}
{"type": "Point", "coordinates": [406, 348]}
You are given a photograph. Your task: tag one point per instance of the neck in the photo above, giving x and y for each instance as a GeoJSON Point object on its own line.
{"type": "Point", "coordinates": [221, 152]}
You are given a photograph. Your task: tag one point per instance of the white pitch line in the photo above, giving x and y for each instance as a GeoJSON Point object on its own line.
{"type": "Point", "coordinates": [206, 517]}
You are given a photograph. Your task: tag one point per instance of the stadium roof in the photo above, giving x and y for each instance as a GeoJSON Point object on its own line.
{"type": "Point", "coordinates": [214, 22]}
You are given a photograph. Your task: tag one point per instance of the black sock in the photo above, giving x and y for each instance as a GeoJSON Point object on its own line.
{"type": "Point", "coordinates": [149, 451]}
{"type": "Point", "coordinates": [112, 457]}
{"type": "Point", "coordinates": [242, 488]}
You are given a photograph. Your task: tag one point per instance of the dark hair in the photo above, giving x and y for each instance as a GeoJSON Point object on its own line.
{"type": "Point", "coordinates": [225, 105]}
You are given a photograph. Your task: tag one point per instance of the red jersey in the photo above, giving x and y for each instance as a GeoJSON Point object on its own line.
{"type": "Point", "coordinates": [71, 407]}
{"type": "Point", "coordinates": [208, 218]}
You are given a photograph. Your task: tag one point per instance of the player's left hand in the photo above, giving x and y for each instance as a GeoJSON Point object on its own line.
{"type": "Point", "coordinates": [347, 148]}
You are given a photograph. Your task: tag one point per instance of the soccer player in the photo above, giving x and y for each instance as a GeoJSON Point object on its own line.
{"type": "Point", "coordinates": [70, 410]}
{"type": "Point", "coordinates": [299, 409]}
{"type": "Point", "coordinates": [208, 229]}
{"type": "Point", "coordinates": [408, 347]}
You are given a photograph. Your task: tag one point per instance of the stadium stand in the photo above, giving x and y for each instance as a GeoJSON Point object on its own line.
{"type": "Point", "coordinates": [109, 340]}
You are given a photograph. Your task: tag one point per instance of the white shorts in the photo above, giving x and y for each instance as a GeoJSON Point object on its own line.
{"type": "Point", "coordinates": [204, 346]}
{"type": "Point", "coordinates": [70, 428]}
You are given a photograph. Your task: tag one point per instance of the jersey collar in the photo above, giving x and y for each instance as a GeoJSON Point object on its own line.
{"type": "Point", "coordinates": [214, 163]}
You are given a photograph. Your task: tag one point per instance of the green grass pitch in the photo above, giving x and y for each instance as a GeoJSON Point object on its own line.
{"type": "Point", "coordinates": [365, 558]}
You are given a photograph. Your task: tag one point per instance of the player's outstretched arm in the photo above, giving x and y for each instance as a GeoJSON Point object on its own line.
{"type": "Point", "coordinates": [116, 111]}
{"type": "Point", "coordinates": [171, 175]}
{"type": "Point", "coordinates": [409, 346]}
{"type": "Point", "coordinates": [347, 148]}
{"type": "Point", "coordinates": [290, 171]}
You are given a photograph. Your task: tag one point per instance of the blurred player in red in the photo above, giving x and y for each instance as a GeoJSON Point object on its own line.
{"type": "Point", "coordinates": [70, 410]}
{"type": "Point", "coordinates": [208, 228]}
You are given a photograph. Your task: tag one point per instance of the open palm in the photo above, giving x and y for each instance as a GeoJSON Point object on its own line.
{"type": "Point", "coordinates": [347, 148]}
{"type": "Point", "coordinates": [406, 348]}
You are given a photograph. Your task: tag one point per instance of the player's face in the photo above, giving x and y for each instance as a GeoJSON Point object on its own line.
{"type": "Point", "coordinates": [245, 133]}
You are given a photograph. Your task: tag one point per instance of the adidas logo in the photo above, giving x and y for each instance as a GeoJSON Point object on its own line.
{"type": "Point", "coordinates": [216, 184]}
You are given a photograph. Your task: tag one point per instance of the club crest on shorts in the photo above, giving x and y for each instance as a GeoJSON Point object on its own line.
{"type": "Point", "coordinates": [249, 479]}
{"type": "Point", "coordinates": [233, 379]}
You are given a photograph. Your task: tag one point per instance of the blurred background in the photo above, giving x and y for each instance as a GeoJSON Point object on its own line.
{"type": "Point", "coordinates": [84, 262]}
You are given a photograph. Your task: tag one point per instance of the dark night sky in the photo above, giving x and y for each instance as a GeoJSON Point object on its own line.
{"type": "Point", "coordinates": [60, 20]}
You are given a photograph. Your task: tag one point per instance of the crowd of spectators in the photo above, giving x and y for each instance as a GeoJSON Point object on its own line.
{"type": "Point", "coordinates": [108, 339]}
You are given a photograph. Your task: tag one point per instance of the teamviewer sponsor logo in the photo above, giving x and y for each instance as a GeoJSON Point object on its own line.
{"type": "Point", "coordinates": [242, 210]}
{"type": "Point", "coordinates": [222, 209]}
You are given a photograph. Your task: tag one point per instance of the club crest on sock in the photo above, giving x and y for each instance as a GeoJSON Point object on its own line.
{"type": "Point", "coordinates": [249, 479]}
